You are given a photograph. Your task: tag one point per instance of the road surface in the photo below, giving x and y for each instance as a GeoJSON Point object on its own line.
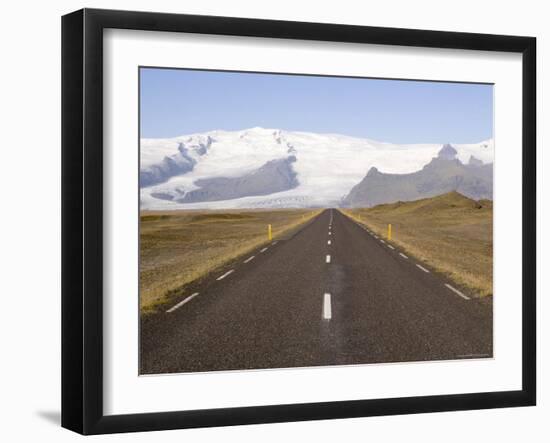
{"type": "Point", "coordinates": [331, 294]}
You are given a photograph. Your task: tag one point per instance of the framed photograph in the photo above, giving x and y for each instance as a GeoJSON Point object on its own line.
{"type": "Point", "coordinates": [268, 221]}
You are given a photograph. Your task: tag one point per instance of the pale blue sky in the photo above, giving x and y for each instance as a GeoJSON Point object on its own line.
{"type": "Point", "coordinates": [176, 102]}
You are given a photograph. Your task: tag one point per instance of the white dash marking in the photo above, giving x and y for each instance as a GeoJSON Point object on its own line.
{"type": "Point", "coordinates": [391, 247]}
{"type": "Point", "coordinates": [327, 308]}
{"type": "Point", "coordinates": [456, 291]}
{"type": "Point", "coordinates": [274, 243]}
{"type": "Point", "coordinates": [382, 241]}
{"type": "Point", "coordinates": [422, 267]}
{"type": "Point", "coordinates": [329, 242]}
{"type": "Point", "coordinates": [329, 233]}
{"type": "Point", "coordinates": [221, 277]}
{"type": "Point", "coordinates": [376, 236]}
{"type": "Point", "coordinates": [249, 259]}
{"type": "Point", "coordinates": [328, 258]}
{"type": "Point", "coordinates": [181, 303]}
{"type": "Point", "coordinates": [263, 250]}
{"type": "Point", "coordinates": [403, 255]}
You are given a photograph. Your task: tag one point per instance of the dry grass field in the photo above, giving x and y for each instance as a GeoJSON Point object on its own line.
{"type": "Point", "coordinates": [450, 232]}
{"type": "Point", "coordinates": [179, 247]}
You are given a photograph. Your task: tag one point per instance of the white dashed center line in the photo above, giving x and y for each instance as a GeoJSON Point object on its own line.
{"type": "Point", "coordinates": [263, 250]}
{"type": "Point", "coordinates": [181, 303]}
{"type": "Point", "coordinates": [329, 242]}
{"type": "Point", "coordinates": [249, 259]}
{"type": "Point", "coordinates": [327, 308]}
{"type": "Point", "coordinates": [221, 277]}
{"type": "Point", "coordinates": [422, 267]}
{"type": "Point", "coordinates": [403, 255]}
{"type": "Point", "coordinates": [382, 241]}
{"type": "Point", "coordinates": [391, 247]}
{"type": "Point", "coordinates": [328, 258]}
{"type": "Point", "coordinates": [456, 291]}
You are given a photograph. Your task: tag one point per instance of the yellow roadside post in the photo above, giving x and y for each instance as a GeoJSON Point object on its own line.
{"type": "Point", "coordinates": [389, 231]}
{"type": "Point", "coordinates": [269, 236]}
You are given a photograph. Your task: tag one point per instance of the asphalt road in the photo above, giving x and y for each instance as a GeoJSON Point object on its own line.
{"type": "Point", "coordinates": [331, 294]}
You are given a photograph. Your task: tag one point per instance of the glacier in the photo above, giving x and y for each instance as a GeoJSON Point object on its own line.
{"type": "Point", "coordinates": [273, 168]}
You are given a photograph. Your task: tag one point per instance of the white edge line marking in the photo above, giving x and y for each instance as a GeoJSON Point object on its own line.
{"type": "Point", "coordinates": [422, 267]}
{"type": "Point", "coordinates": [221, 277]}
{"type": "Point", "coordinates": [473, 355]}
{"type": "Point", "coordinates": [391, 247]}
{"type": "Point", "coordinates": [249, 259]}
{"type": "Point", "coordinates": [328, 258]}
{"type": "Point", "coordinates": [456, 291]}
{"type": "Point", "coordinates": [263, 250]}
{"type": "Point", "coordinates": [403, 255]}
{"type": "Point", "coordinates": [181, 303]}
{"type": "Point", "coordinates": [327, 309]}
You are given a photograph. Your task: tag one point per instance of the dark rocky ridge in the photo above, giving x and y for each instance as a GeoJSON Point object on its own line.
{"type": "Point", "coordinates": [274, 176]}
{"type": "Point", "coordinates": [176, 164]}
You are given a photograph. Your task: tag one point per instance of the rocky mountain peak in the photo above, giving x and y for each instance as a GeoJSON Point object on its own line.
{"type": "Point", "coordinates": [447, 152]}
{"type": "Point", "coordinates": [373, 171]}
{"type": "Point", "coordinates": [474, 161]}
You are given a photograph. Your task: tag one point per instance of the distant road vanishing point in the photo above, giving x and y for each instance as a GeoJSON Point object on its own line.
{"type": "Point", "coordinates": [332, 294]}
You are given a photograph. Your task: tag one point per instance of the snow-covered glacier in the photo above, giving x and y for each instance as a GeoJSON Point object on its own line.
{"type": "Point", "coordinates": [273, 168]}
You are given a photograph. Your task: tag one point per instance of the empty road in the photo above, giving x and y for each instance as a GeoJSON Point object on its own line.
{"type": "Point", "coordinates": [331, 294]}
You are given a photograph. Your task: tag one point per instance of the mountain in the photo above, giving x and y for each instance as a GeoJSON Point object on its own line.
{"type": "Point", "coordinates": [443, 174]}
{"type": "Point", "coordinates": [272, 168]}
{"type": "Point", "coordinates": [273, 177]}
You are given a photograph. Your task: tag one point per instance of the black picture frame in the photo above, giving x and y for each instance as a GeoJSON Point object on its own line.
{"type": "Point", "coordinates": [82, 220]}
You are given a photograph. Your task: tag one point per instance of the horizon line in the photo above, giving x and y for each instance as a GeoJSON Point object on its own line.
{"type": "Point", "coordinates": [312, 132]}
